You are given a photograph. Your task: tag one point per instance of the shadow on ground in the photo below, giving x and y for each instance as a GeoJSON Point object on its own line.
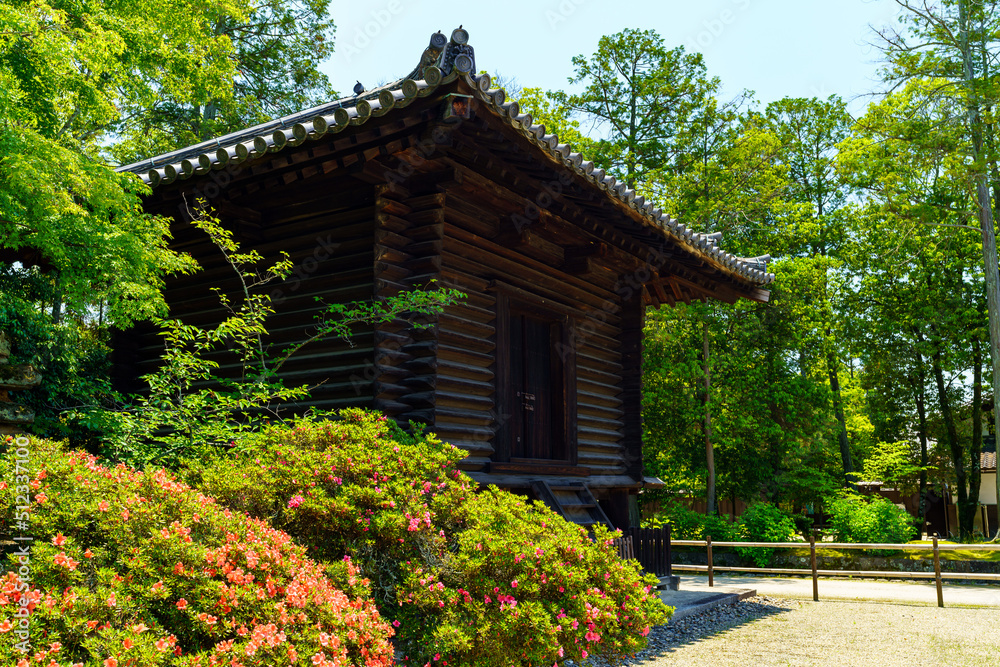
{"type": "Point", "coordinates": [666, 639]}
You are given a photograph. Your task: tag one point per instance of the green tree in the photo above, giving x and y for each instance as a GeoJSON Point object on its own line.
{"type": "Point", "coordinates": [65, 73]}
{"type": "Point", "coordinates": [641, 97]}
{"type": "Point", "coordinates": [954, 43]}
{"type": "Point", "coordinates": [920, 288]}
{"type": "Point", "coordinates": [275, 50]}
{"type": "Point", "coordinates": [809, 130]}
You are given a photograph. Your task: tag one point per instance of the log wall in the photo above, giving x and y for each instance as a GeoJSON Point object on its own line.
{"type": "Point", "coordinates": [465, 391]}
{"type": "Point", "coordinates": [327, 234]}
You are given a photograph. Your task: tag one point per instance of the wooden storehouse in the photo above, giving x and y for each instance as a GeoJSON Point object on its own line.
{"type": "Point", "coordinates": [437, 176]}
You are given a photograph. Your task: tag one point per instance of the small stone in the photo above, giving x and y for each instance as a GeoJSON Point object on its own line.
{"type": "Point", "coordinates": [718, 619]}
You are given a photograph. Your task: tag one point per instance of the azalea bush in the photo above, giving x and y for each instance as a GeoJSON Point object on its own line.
{"type": "Point", "coordinates": [137, 568]}
{"type": "Point", "coordinates": [466, 577]}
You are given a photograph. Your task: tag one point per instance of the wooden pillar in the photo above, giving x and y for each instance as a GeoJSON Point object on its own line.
{"type": "Point", "coordinates": [616, 508]}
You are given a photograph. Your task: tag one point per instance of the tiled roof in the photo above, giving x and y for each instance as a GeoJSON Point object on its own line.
{"type": "Point", "coordinates": [442, 62]}
{"type": "Point", "coordinates": [988, 461]}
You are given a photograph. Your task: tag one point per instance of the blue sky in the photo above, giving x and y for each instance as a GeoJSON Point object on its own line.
{"type": "Point", "coordinates": [777, 48]}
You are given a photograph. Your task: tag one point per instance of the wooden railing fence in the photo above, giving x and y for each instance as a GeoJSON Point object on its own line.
{"type": "Point", "coordinates": [936, 548]}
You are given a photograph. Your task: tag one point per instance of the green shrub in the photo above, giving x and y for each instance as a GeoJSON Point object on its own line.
{"type": "Point", "coordinates": [854, 518]}
{"type": "Point", "coordinates": [136, 568]}
{"type": "Point", "coordinates": [467, 578]}
{"type": "Point", "coordinates": [686, 524]}
{"type": "Point", "coordinates": [763, 522]}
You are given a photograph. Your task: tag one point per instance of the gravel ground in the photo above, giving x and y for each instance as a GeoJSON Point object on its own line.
{"type": "Point", "coordinates": [770, 632]}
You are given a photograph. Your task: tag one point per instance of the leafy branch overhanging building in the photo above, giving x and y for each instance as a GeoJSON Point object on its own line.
{"type": "Point", "coordinates": [436, 176]}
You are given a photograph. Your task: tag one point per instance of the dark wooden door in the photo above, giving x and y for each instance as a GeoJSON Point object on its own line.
{"type": "Point", "coordinates": [536, 384]}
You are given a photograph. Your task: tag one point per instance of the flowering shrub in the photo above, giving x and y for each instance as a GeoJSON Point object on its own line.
{"type": "Point", "coordinates": [467, 578]}
{"type": "Point", "coordinates": [136, 568]}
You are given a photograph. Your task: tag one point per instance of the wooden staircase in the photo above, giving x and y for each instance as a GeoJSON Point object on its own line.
{"type": "Point", "coordinates": [572, 500]}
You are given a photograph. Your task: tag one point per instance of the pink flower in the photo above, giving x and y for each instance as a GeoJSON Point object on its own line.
{"type": "Point", "coordinates": [182, 604]}
{"type": "Point", "coordinates": [513, 584]}
{"type": "Point", "coordinates": [295, 501]}
{"type": "Point", "coordinates": [65, 561]}
{"type": "Point", "coordinates": [103, 506]}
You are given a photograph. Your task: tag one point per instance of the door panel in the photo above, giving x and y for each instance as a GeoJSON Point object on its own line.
{"type": "Point", "coordinates": [536, 380]}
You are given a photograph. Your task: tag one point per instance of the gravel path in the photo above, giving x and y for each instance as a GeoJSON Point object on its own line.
{"type": "Point", "coordinates": [771, 632]}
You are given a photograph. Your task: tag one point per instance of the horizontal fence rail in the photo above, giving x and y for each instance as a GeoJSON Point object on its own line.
{"type": "Point", "coordinates": [842, 545]}
{"type": "Point", "coordinates": [840, 573]}
{"type": "Point", "coordinates": [813, 547]}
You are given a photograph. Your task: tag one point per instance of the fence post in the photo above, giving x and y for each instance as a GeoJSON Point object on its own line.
{"type": "Point", "coordinates": [711, 574]}
{"type": "Point", "coordinates": [812, 561]}
{"type": "Point", "coordinates": [937, 572]}
{"type": "Point", "coordinates": [670, 560]}
{"type": "Point", "coordinates": [644, 548]}
{"type": "Point", "coordinates": [657, 540]}
{"type": "Point", "coordinates": [657, 551]}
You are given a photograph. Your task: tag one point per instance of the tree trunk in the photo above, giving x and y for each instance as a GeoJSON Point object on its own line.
{"type": "Point", "coordinates": [706, 398]}
{"type": "Point", "coordinates": [975, 477]}
{"type": "Point", "coordinates": [920, 397]}
{"type": "Point", "coordinates": [991, 266]}
{"type": "Point", "coordinates": [951, 435]}
{"type": "Point", "coordinates": [57, 305]}
{"type": "Point", "coordinates": [838, 406]}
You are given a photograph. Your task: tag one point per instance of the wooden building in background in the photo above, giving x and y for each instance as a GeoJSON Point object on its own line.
{"type": "Point", "coordinates": [437, 176]}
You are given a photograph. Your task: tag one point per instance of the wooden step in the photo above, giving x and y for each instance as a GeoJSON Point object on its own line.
{"type": "Point", "coordinates": [573, 501]}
